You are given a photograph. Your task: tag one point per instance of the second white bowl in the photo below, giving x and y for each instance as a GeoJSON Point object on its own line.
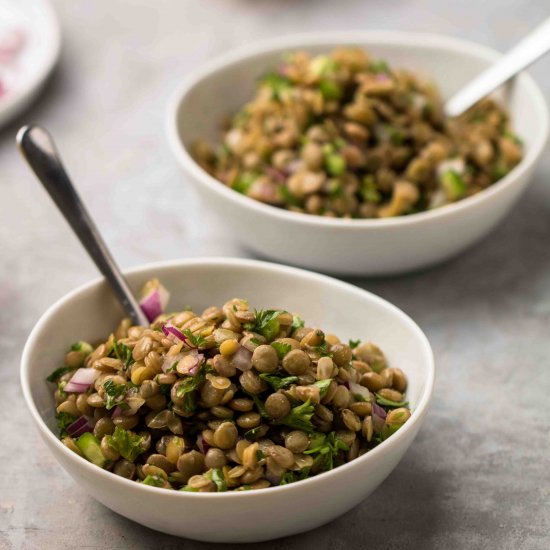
{"type": "Point", "coordinates": [353, 247]}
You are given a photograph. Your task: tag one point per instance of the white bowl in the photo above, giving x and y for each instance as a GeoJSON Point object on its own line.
{"type": "Point", "coordinates": [90, 313]}
{"type": "Point", "coordinates": [354, 247]}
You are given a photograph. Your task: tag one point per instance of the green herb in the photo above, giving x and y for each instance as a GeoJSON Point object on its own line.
{"type": "Point", "coordinates": [288, 197]}
{"type": "Point", "coordinates": [379, 66]}
{"type": "Point", "coordinates": [281, 348]}
{"type": "Point", "coordinates": [187, 387]}
{"type": "Point", "coordinates": [256, 341]}
{"type": "Point", "coordinates": [127, 443]}
{"type": "Point", "coordinates": [297, 322]}
{"type": "Point", "coordinates": [154, 481]}
{"type": "Point", "coordinates": [326, 448]}
{"type": "Point", "coordinates": [369, 191]}
{"type": "Point", "coordinates": [259, 405]}
{"type": "Point", "coordinates": [334, 188]}
{"type": "Point", "coordinates": [323, 65]}
{"type": "Point", "coordinates": [266, 323]}
{"type": "Point", "coordinates": [278, 382]}
{"type": "Point", "coordinates": [299, 417]}
{"type": "Point", "coordinates": [243, 181]}
{"type": "Point", "coordinates": [389, 403]}
{"type": "Point", "coordinates": [323, 386]}
{"type": "Point", "coordinates": [322, 350]}
{"type": "Point", "coordinates": [189, 489]}
{"type": "Point", "coordinates": [58, 373]}
{"type": "Point", "coordinates": [291, 477]}
{"type": "Point", "coordinates": [218, 479]}
{"type": "Point", "coordinates": [197, 340]}
{"type": "Point", "coordinates": [253, 433]}
{"type": "Point", "coordinates": [83, 347]}
{"type": "Point", "coordinates": [277, 83]}
{"type": "Point", "coordinates": [123, 353]}
{"type": "Point", "coordinates": [335, 164]}
{"type": "Point", "coordinates": [354, 343]}
{"type": "Point", "coordinates": [510, 135]}
{"type": "Point", "coordinates": [330, 90]}
{"type": "Point", "coordinates": [453, 184]}
{"type": "Point", "coordinates": [115, 393]}
{"type": "Point", "coordinates": [64, 420]}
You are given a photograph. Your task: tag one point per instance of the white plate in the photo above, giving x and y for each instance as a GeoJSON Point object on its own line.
{"type": "Point", "coordinates": [30, 41]}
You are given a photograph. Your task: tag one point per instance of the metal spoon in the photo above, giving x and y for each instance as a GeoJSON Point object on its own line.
{"type": "Point", "coordinates": [533, 46]}
{"type": "Point", "coordinates": [39, 150]}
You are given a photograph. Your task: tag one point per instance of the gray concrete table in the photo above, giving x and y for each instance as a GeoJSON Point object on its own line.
{"type": "Point", "coordinates": [478, 475]}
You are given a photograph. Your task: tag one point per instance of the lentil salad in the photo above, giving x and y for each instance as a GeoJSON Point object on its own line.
{"type": "Point", "coordinates": [231, 399]}
{"type": "Point", "coordinates": [343, 135]}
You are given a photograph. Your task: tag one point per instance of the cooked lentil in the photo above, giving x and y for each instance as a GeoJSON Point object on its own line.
{"type": "Point", "coordinates": [232, 399]}
{"type": "Point", "coordinates": [343, 135]}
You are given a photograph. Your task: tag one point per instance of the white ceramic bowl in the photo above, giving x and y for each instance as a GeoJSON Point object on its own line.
{"type": "Point", "coordinates": [90, 312]}
{"type": "Point", "coordinates": [354, 247]}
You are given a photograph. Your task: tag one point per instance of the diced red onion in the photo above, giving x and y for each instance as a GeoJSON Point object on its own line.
{"type": "Point", "coordinates": [117, 411]}
{"type": "Point", "coordinates": [202, 444]}
{"type": "Point", "coordinates": [378, 410]}
{"type": "Point", "coordinates": [242, 359]}
{"type": "Point", "coordinates": [357, 389]}
{"type": "Point", "coordinates": [81, 380]}
{"type": "Point", "coordinates": [294, 165]}
{"type": "Point", "coordinates": [154, 302]}
{"type": "Point", "coordinates": [169, 360]}
{"type": "Point", "coordinates": [171, 331]}
{"type": "Point", "coordinates": [275, 174]}
{"type": "Point", "coordinates": [79, 427]}
{"type": "Point", "coordinates": [382, 77]}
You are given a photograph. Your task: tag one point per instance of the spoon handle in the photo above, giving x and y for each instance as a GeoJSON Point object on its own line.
{"type": "Point", "coordinates": [533, 46]}
{"type": "Point", "coordinates": [40, 152]}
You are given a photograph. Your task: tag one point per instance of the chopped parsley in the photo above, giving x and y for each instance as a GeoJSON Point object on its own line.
{"type": "Point", "coordinates": [299, 417]}
{"type": "Point", "coordinates": [325, 448]}
{"type": "Point", "coordinates": [278, 382]}
{"type": "Point", "coordinates": [323, 386]}
{"type": "Point", "coordinates": [291, 477]}
{"type": "Point", "coordinates": [186, 389]}
{"type": "Point", "coordinates": [354, 343]}
{"type": "Point", "coordinates": [281, 348]}
{"type": "Point", "coordinates": [266, 323]}
{"type": "Point", "coordinates": [123, 353]}
{"type": "Point", "coordinates": [58, 373]}
{"type": "Point", "coordinates": [64, 420]}
{"type": "Point", "coordinates": [115, 394]}
{"type": "Point", "coordinates": [297, 322]}
{"type": "Point", "coordinates": [197, 340]}
{"type": "Point", "coordinates": [127, 443]}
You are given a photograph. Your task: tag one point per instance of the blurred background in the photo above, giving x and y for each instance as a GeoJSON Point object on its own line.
{"type": "Point", "coordinates": [105, 104]}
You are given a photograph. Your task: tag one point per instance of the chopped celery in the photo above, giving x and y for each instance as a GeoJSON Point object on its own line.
{"type": "Point", "coordinates": [453, 184]}
{"type": "Point", "coordinates": [89, 445]}
{"type": "Point", "coordinates": [336, 164]}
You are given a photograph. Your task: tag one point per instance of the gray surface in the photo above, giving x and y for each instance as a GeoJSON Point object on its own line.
{"type": "Point", "coordinates": [478, 474]}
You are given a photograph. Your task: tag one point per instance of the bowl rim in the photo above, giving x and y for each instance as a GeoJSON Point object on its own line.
{"type": "Point", "coordinates": [361, 38]}
{"type": "Point", "coordinates": [417, 416]}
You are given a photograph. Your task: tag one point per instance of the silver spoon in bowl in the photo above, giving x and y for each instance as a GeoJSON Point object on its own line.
{"type": "Point", "coordinates": [39, 150]}
{"type": "Point", "coordinates": [528, 50]}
